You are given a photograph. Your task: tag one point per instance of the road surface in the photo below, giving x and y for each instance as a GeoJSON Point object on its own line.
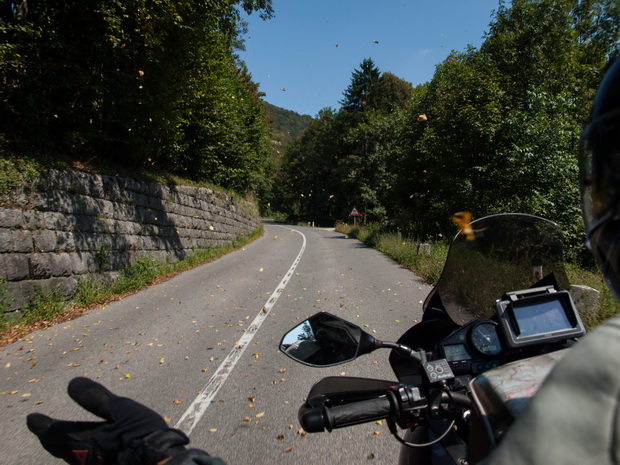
{"type": "Point", "coordinates": [202, 350]}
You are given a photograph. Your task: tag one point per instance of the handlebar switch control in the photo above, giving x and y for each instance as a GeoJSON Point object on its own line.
{"type": "Point", "coordinates": [438, 370]}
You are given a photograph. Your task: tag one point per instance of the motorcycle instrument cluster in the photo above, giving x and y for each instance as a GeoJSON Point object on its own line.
{"type": "Point", "coordinates": [473, 347]}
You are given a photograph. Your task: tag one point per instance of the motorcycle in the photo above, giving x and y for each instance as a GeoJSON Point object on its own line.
{"type": "Point", "coordinates": [494, 325]}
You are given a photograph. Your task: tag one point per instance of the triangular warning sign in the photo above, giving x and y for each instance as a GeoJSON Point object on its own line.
{"type": "Point", "coordinates": [354, 212]}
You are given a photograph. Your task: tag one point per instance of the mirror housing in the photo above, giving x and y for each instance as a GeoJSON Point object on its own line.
{"type": "Point", "coordinates": [326, 340]}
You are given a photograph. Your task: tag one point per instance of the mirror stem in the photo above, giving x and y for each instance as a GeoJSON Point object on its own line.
{"type": "Point", "coordinates": [419, 355]}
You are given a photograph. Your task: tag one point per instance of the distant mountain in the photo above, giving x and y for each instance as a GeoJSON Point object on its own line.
{"type": "Point", "coordinates": [287, 126]}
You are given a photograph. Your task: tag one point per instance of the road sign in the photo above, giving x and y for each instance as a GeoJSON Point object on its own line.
{"type": "Point", "coordinates": [354, 212]}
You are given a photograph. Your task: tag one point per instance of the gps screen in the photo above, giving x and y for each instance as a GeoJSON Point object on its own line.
{"type": "Point", "coordinates": [541, 317]}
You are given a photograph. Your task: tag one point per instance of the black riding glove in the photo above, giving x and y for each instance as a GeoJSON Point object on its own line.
{"type": "Point", "coordinates": [131, 434]}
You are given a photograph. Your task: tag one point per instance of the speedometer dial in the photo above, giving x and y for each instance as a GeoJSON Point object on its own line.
{"type": "Point", "coordinates": [484, 339]}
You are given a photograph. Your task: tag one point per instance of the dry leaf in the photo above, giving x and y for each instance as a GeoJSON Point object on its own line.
{"type": "Point", "coordinates": [177, 401]}
{"type": "Point", "coordinates": [251, 398]}
{"type": "Point", "coordinates": [288, 449]}
{"type": "Point", "coordinates": [260, 415]}
{"type": "Point", "coordinates": [377, 433]}
{"type": "Point", "coordinates": [247, 419]}
{"type": "Point", "coordinates": [280, 437]}
{"type": "Point", "coordinates": [282, 370]}
{"type": "Point", "coordinates": [212, 430]}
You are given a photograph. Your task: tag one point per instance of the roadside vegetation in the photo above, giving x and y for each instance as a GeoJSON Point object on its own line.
{"type": "Point", "coordinates": [45, 308]}
{"type": "Point", "coordinates": [404, 251]}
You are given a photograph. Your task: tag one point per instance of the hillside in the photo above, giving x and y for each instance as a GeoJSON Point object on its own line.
{"type": "Point", "coordinates": [287, 126]}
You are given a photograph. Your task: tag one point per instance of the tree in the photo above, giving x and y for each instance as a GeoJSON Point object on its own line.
{"type": "Point", "coordinates": [143, 83]}
{"type": "Point", "coordinates": [363, 92]}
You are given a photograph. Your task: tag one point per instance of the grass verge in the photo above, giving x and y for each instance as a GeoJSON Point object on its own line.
{"type": "Point", "coordinates": [46, 308]}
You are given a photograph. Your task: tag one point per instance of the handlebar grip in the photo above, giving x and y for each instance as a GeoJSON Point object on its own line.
{"type": "Point", "coordinates": [316, 420]}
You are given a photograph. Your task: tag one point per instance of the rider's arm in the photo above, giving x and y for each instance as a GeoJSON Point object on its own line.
{"type": "Point", "coordinates": [575, 416]}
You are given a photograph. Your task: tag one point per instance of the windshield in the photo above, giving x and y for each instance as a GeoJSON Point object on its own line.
{"type": "Point", "coordinates": [505, 253]}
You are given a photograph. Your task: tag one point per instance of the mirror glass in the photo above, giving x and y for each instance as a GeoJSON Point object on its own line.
{"type": "Point", "coordinates": [322, 340]}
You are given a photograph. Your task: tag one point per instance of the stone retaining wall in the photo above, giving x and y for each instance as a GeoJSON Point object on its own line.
{"type": "Point", "coordinates": [69, 225]}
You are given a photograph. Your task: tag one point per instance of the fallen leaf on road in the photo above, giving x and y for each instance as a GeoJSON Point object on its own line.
{"type": "Point", "coordinates": [212, 430]}
{"type": "Point", "coordinates": [247, 419]}
{"type": "Point", "coordinates": [260, 415]}
{"type": "Point", "coordinates": [288, 449]}
{"type": "Point", "coordinates": [177, 401]}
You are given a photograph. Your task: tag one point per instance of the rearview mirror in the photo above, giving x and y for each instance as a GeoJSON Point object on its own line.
{"type": "Point", "coordinates": [325, 340]}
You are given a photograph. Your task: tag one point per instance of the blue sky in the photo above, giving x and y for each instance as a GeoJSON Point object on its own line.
{"type": "Point", "coordinates": [311, 47]}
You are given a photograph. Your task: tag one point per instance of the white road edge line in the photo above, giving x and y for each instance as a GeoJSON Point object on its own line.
{"type": "Point", "coordinates": [196, 410]}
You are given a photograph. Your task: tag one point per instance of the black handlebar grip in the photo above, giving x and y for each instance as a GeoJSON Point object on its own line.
{"type": "Point", "coordinates": [315, 420]}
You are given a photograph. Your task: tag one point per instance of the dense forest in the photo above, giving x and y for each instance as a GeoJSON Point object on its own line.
{"type": "Point", "coordinates": [158, 87]}
{"type": "Point", "coordinates": [147, 85]}
{"type": "Point", "coordinates": [496, 129]}
{"type": "Point", "coordinates": [286, 126]}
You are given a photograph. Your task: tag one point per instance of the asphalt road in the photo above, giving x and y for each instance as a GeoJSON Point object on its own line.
{"type": "Point", "coordinates": [202, 350]}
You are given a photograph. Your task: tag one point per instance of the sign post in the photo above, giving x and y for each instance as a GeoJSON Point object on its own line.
{"type": "Point", "coordinates": [354, 213]}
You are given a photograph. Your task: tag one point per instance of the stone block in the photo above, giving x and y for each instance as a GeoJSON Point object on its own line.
{"type": "Point", "coordinates": [424, 249]}
{"type": "Point", "coordinates": [21, 241]}
{"type": "Point", "coordinates": [40, 265]}
{"type": "Point", "coordinates": [11, 218]}
{"type": "Point", "coordinates": [61, 264]}
{"type": "Point", "coordinates": [17, 267]}
{"type": "Point", "coordinates": [586, 299]}
{"type": "Point", "coordinates": [44, 241]}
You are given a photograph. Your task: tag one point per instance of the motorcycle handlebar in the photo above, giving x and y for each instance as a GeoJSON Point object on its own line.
{"type": "Point", "coordinates": [316, 420]}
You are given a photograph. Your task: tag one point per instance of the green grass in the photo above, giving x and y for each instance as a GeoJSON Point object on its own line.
{"type": "Point", "coordinates": [43, 306]}
{"type": "Point", "coordinates": [405, 252]}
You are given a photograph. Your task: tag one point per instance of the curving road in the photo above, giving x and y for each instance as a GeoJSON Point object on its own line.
{"type": "Point", "coordinates": [201, 349]}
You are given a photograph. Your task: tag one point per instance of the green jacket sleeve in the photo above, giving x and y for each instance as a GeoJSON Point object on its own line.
{"type": "Point", "coordinates": [574, 417]}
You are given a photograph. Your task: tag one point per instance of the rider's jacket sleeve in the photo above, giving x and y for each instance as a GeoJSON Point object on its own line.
{"type": "Point", "coordinates": [195, 457]}
{"type": "Point", "coordinates": [575, 416]}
